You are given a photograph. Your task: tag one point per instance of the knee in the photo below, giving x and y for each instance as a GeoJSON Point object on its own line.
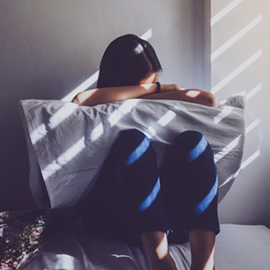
{"type": "Point", "coordinates": [131, 138]}
{"type": "Point", "coordinates": [133, 144]}
{"type": "Point", "coordinates": [191, 144]}
{"type": "Point", "coordinates": [189, 138]}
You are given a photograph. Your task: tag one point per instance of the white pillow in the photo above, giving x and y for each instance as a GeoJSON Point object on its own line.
{"type": "Point", "coordinates": [68, 143]}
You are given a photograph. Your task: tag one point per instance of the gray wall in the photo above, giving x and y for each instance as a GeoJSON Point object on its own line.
{"type": "Point", "coordinates": [241, 62]}
{"type": "Point", "coordinates": [48, 48]}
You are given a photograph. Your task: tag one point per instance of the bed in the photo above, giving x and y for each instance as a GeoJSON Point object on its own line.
{"type": "Point", "coordinates": [59, 177]}
{"type": "Point", "coordinates": [238, 247]}
{"type": "Point", "coordinates": [65, 247]}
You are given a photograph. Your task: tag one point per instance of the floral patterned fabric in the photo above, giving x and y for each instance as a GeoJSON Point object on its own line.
{"type": "Point", "coordinates": [22, 235]}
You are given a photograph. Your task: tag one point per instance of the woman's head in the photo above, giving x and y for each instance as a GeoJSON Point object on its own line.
{"type": "Point", "coordinates": [127, 61]}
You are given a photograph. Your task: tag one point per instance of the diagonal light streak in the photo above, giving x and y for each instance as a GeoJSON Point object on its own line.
{"type": "Point", "coordinates": [197, 150]}
{"type": "Point", "coordinates": [243, 165]}
{"type": "Point", "coordinates": [236, 72]}
{"type": "Point", "coordinates": [204, 204]}
{"type": "Point", "coordinates": [152, 132]}
{"type": "Point", "coordinates": [166, 118]}
{"type": "Point", "coordinates": [75, 149]}
{"type": "Point", "coordinates": [225, 112]}
{"type": "Point", "coordinates": [56, 119]}
{"type": "Point", "coordinates": [97, 132]}
{"type": "Point", "coordinates": [225, 11]}
{"type": "Point", "coordinates": [148, 201]}
{"type": "Point", "coordinates": [247, 161]}
{"type": "Point", "coordinates": [68, 155]}
{"type": "Point", "coordinates": [138, 152]}
{"type": "Point", "coordinates": [253, 125]}
{"type": "Point", "coordinates": [124, 109]}
{"type": "Point", "coordinates": [230, 178]}
{"type": "Point", "coordinates": [227, 149]}
{"type": "Point", "coordinates": [235, 38]}
{"type": "Point", "coordinates": [147, 35]}
{"type": "Point", "coordinates": [82, 87]}
{"type": "Point", "coordinates": [93, 78]}
{"type": "Point", "coordinates": [163, 121]}
{"type": "Point", "coordinates": [38, 133]}
{"type": "Point", "coordinates": [250, 159]}
{"type": "Point", "coordinates": [254, 91]}
{"type": "Point", "coordinates": [62, 114]}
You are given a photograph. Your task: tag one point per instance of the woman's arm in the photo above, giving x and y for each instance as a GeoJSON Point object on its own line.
{"type": "Point", "coordinates": [144, 91]}
{"type": "Point", "coordinates": [188, 95]}
{"type": "Point", "coordinates": [110, 94]}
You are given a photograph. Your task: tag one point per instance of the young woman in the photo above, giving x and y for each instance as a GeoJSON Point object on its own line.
{"type": "Point", "coordinates": [135, 201]}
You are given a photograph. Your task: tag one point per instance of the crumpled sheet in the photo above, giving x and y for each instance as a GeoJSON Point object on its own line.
{"type": "Point", "coordinates": [237, 247]}
{"type": "Point", "coordinates": [55, 239]}
{"type": "Point", "coordinates": [69, 143]}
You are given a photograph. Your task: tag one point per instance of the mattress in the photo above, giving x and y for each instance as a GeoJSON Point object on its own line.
{"type": "Point", "coordinates": [237, 247]}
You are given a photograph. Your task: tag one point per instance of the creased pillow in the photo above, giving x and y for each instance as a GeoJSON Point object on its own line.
{"type": "Point", "coordinates": [68, 143]}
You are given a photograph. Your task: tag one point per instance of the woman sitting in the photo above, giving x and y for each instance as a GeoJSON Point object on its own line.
{"type": "Point", "coordinates": [134, 200]}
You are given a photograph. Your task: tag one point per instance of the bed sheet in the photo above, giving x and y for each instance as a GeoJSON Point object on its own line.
{"type": "Point", "coordinates": [237, 247]}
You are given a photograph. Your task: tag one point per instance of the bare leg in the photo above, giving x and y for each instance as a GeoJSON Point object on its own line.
{"type": "Point", "coordinates": [156, 245]}
{"type": "Point", "coordinates": [202, 245]}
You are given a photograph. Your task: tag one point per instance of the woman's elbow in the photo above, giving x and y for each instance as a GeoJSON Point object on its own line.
{"type": "Point", "coordinates": [76, 100]}
{"type": "Point", "coordinates": [210, 100]}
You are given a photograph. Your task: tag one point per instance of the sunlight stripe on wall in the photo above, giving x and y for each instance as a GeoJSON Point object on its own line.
{"type": "Point", "coordinates": [225, 11]}
{"type": "Point", "coordinates": [243, 165]}
{"type": "Point", "coordinates": [250, 159]}
{"type": "Point", "coordinates": [252, 125]}
{"type": "Point", "coordinates": [236, 72]}
{"type": "Point", "coordinates": [235, 38]}
{"type": "Point", "coordinates": [253, 92]}
{"type": "Point", "coordinates": [147, 35]}
{"type": "Point", "coordinates": [83, 86]}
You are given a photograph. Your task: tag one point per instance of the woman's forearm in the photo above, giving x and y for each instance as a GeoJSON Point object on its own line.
{"type": "Point", "coordinates": [144, 91]}
{"type": "Point", "coordinates": [111, 94]}
{"type": "Point", "coordinates": [188, 95]}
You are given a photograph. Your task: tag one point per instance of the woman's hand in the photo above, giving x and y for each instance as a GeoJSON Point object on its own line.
{"type": "Point", "coordinates": [170, 87]}
{"type": "Point", "coordinates": [174, 92]}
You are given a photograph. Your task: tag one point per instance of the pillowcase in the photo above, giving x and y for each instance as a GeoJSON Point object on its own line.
{"type": "Point", "coordinates": [67, 144]}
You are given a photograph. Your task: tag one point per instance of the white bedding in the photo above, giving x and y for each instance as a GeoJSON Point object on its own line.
{"type": "Point", "coordinates": [69, 143]}
{"type": "Point", "coordinates": [238, 247]}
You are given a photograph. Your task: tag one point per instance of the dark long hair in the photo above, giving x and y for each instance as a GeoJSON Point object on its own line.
{"type": "Point", "coordinates": [126, 61]}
